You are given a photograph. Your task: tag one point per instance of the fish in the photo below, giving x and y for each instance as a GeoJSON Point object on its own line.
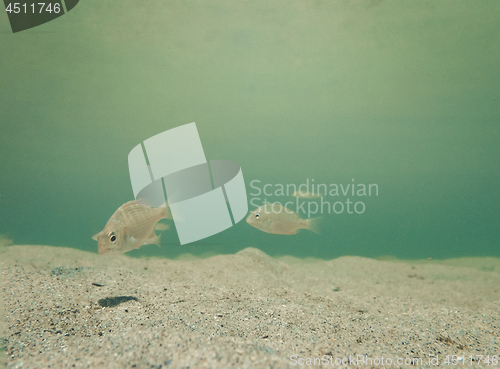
{"type": "Point", "coordinates": [132, 225]}
{"type": "Point", "coordinates": [306, 195]}
{"type": "Point", "coordinates": [276, 219]}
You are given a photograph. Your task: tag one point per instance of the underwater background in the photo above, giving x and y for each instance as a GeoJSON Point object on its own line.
{"type": "Point", "coordinates": [401, 94]}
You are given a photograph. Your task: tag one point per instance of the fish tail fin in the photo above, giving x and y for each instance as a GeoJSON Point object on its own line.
{"type": "Point", "coordinates": [314, 225]}
{"type": "Point", "coordinates": [161, 227]}
{"type": "Point", "coordinates": [156, 241]}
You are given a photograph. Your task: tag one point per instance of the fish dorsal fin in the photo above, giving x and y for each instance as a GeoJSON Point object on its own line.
{"type": "Point", "coordinates": [165, 211]}
{"type": "Point", "coordinates": [141, 201]}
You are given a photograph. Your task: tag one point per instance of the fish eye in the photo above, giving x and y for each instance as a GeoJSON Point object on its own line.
{"type": "Point", "coordinates": [257, 215]}
{"type": "Point", "coordinates": [112, 236]}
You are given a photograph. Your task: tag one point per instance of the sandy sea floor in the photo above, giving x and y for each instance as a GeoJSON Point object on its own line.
{"type": "Point", "coordinates": [67, 308]}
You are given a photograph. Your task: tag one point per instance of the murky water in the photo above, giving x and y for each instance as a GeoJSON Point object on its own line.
{"type": "Point", "coordinates": [403, 95]}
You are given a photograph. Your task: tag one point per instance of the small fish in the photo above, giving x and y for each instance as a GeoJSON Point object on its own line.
{"type": "Point", "coordinates": [276, 219]}
{"type": "Point", "coordinates": [130, 227]}
{"type": "Point", "coordinates": [306, 195]}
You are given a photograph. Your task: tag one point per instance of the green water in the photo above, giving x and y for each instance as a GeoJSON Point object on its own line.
{"type": "Point", "coordinates": [402, 94]}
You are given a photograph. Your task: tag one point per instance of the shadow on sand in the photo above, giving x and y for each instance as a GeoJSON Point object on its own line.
{"type": "Point", "coordinates": [114, 301]}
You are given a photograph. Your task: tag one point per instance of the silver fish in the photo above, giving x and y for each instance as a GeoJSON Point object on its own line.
{"type": "Point", "coordinates": [276, 219]}
{"type": "Point", "coordinates": [130, 227]}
